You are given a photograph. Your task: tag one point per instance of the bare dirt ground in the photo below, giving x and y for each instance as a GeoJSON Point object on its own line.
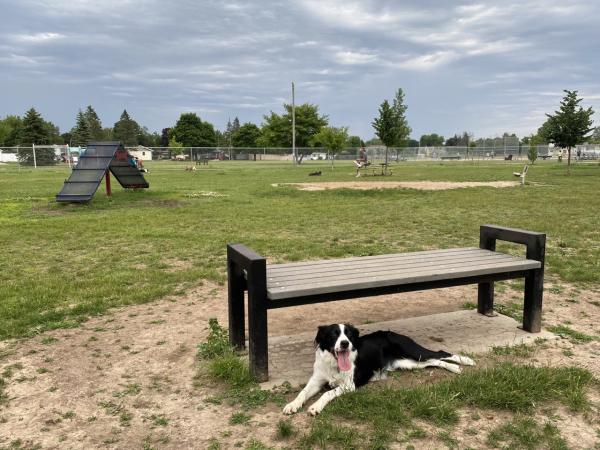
{"type": "Point", "coordinates": [420, 185]}
{"type": "Point", "coordinates": [126, 380]}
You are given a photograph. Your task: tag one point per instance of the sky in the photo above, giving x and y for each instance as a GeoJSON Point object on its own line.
{"type": "Point", "coordinates": [486, 67]}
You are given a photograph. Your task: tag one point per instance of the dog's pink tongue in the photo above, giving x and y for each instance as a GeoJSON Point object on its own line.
{"type": "Point", "coordinates": [343, 361]}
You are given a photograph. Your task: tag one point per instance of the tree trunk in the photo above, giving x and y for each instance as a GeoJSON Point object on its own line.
{"type": "Point", "coordinates": [386, 158]}
{"type": "Point", "coordinates": [568, 160]}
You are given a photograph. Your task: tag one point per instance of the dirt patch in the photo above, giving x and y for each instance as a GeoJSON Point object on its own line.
{"type": "Point", "coordinates": [125, 380]}
{"type": "Point", "coordinates": [420, 185]}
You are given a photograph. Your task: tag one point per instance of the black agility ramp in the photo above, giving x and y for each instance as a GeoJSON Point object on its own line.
{"type": "Point", "coordinates": [93, 165]}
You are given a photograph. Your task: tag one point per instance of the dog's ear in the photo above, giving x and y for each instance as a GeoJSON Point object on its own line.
{"type": "Point", "coordinates": [320, 337]}
{"type": "Point", "coordinates": [351, 332]}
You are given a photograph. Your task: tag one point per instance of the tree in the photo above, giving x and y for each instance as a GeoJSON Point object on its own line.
{"type": "Point", "coordinates": [126, 130]}
{"type": "Point", "coordinates": [402, 129]}
{"type": "Point", "coordinates": [80, 134]}
{"type": "Point", "coordinates": [34, 129]}
{"type": "Point", "coordinates": [570, 125]}
{"type": "Point", "coordinates": [596, 136]}
{"type": "Point", "coordinates": [277, 129]}
{"type": "Point", "coordinates": [246, 136]}
{"type": "Point", "coordinates": [532, 154]}
{"type": "Point", "coordinates": [333, 139]}
{"type": "Point", "coordinates": [355, 142]}
{"type": "Point", "coordinates": [11, 128]}
{"type": "Point", "coordinates": [164, 137]}
{"type": "Point", "coordinates": [385, 126]}
{"type": "Point", "coordinates": [96, 133]}
{"type": "Point", "coordinates": [191, 131]}
{"type": "Point", "coordinates": [431, 140]}
{"type": "Point", "coordinates": [463, 139]}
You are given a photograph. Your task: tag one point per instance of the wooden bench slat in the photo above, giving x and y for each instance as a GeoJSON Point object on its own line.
{"type": "Point", "coordinates": [395, 263]}
{"type": "Point", "coordinates": [424, 275]}
{"type": "Point", "coordinates": [326, 262]}
{"type": "Point", "coordinates": [401, 269]}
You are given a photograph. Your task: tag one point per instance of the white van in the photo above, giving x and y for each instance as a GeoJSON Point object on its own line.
{"type": "Point", "coordinates": [317, 156]}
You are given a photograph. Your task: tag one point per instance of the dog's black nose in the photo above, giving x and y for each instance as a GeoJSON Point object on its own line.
{"type": "Point", "coordinates": [344, 344]}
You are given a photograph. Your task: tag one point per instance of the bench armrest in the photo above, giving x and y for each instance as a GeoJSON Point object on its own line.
{"type": "Point", "coordinates": [534, 241]}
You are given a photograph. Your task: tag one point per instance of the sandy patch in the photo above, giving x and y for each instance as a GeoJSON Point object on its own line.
{"type": "Point", "coordinates": [125, 380]}
{"type": "Point", "coordinates": [420, 185]}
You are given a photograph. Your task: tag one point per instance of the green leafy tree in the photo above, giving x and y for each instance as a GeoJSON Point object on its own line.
{"type": "Point", "coordinates": [191, 131]}
{"type": "Point", "coordinates": [333, 139]}
{"type": "Point", "coordinates": [385, 126]}
{"type": "Point", "coordinates": [164, 137]}
{"type": "Point", "coordinates": [126, 130]}
{"type": "Point", "coordinates": [11, 129]}
{"type": "Point", "coordinates": [532, 153]}
{"type": "Point", "coordinates": [354, 142]}
{"type": "Point", "coordinates": [80, 134]}
{"type": "Point", "coordinates": [96, 133]}
{"type": "Point", "coordinates": [570, 125]}
{"type": "Point", "coordinates": [596, 136]}
{"type": "Point", "coordinates": [247, 136]}
{"type": "Point", "coordinates": [402, 130]}
{"type": "Point", "coordinates": [431, 140]}
{"type": "Point", "coordinates": [277, 129]}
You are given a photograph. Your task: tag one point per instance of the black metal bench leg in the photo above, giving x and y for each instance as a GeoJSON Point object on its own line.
{"type": "Point", "coordinates": [236, 285]}
{"type": "Point", "coordinates": [257, 321]}
{"type": "Point", "coordinates": [532, 311]}
{"type": "Point", "coordinates": [485, 298]}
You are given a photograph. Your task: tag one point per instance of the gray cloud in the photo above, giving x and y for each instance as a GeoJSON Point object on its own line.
{"type": "Point", "coordinates": [485, 66]}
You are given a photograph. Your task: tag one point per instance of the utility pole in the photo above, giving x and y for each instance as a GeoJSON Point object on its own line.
{"type": "Point", "coordinates": [294, 125]}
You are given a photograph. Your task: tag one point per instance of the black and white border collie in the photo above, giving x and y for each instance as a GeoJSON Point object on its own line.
{"type": "Point", "coordinates": [345, 361]}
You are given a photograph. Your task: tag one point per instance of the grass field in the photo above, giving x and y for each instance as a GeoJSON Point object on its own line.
{"type": "Point", "coordinates": [62, 263]}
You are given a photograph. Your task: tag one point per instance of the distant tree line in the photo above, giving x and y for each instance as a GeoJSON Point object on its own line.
{"type": "Point", "coordinates": [569, 126]}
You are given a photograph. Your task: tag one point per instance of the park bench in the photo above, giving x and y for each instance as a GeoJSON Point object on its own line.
{"type": "Point", "coordinates": [451, 157]}
{"type": "Point", "coordinates": [272, 286]}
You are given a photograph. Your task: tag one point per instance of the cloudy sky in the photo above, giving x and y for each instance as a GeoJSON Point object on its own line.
{"type": "Point", "coordinates": [486, 67]}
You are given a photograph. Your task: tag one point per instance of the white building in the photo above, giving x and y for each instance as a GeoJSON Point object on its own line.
{"type": "Point", "coordinates": [141, 152]}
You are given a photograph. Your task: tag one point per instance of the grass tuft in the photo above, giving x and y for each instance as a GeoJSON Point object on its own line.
{"type": "Point", "coordinates": [525, 433]}
{"type": "Point", "coordinates": [575, 336]}
{"type": "Point", "coordinates": [285, 429]}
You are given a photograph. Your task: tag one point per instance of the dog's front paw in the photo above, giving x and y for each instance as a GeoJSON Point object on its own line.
{"type": "Point", "coordinates": [292, 408]}
{"type": "Point", "coordinates": [455, 368]}
{"type": "Point", "coordinates": [314, 409]}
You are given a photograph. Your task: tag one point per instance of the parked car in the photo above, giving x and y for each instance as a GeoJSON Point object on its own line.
{"type": "Point", "coordinates": [317, 156]}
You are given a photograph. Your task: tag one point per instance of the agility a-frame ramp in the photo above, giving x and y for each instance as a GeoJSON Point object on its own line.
{"type": "Point", "coordinates": [99, 160]}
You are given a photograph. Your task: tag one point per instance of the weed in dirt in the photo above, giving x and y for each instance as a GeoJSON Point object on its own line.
{"type": "Point", "coordinates": [157, 322]}
{"type": "Point", "coordinates": [125, 418]}
{"type": "Point", "coordinates": [568, 352]}
{"type": "Point", "coordinates": [526, 433]}
{"type": "Point", "coordinates": [575, 336]}
{"type": "Point", "coordinates": [285, 429]}
{"type": "Point", "coordinates": [159, 420]}
{"type": "Point", "coordinates": [239, 418]}
{"type": "Point", "coordinates": [129, 389]}
{"type": "Point", "coordinates": [214, 445]}
{"type": "Point", "coordinates": [468, 305]}
{"type": "Point", "coordinates": [3, 396]}
{"type": "Point", "coordinates": [520, 350]}
{"type": "Point", "coordinates": [255, 444]}
{"type": "Point", "coordinates": [68, 415]}
{"type": "Point", "coordinates": [49, 340]}
{"type": "Point", "coordinates": [9, 370]}
{"type": "Point", "coordinates": [594, 302]}
{"type": "Point", "coordinates": [385, 410]}
{"type": "Point", "coordinates": [447, 439]}
{"type": "Point", "coordinates": [18, 444]}
{"type": "Point", "coordinates": [511, 309]}
{"type": "Point", "coordinates": [41, 370]}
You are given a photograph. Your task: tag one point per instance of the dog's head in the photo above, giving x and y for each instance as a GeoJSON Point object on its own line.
{"type": "Point", "coordinates": [341, 341]}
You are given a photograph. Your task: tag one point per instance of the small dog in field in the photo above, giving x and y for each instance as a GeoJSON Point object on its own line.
{"type": "Point", "coordinates": [190, 168]}
{"type": "Point", "coordinates": [345, 361]}
{"type": "Point", "coordinates": [315, 174]}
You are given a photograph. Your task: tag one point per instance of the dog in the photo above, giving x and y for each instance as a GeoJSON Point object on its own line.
{"type": "Point", "coordinates": [346, 361]}
{"type": "Point", "coordinates": [315, 174]}
{"type": "Point", "coordinates": [190, 168]}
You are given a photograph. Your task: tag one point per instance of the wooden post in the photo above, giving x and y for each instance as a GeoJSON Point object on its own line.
{"type": "Point", "coordinates": [107, 178]}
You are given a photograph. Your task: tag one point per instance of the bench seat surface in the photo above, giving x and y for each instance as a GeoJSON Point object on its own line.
{"type": "Point", "coordinates": [337, 275]}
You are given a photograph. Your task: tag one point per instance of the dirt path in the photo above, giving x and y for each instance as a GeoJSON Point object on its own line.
{"type": "Point", "coordinates": [125, 380]}
{"type": "Point", "coordinates": [420, 185]}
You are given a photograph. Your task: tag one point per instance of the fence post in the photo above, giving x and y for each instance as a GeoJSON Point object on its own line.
{"type": "Point", "coordinates": [34, 160]}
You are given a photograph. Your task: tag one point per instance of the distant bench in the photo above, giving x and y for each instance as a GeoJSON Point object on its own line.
{"type": "Point", "coordinates": [272, 286]}
{"type": "Point", "coordinates": [450, 157]}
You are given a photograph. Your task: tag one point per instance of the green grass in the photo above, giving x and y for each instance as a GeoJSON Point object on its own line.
{"type": "Point", "coordinates": [64, 263]}
{"type": "Point", "coordinates": [525, 433]}
{"type": "Point", "coordinates": [574, 335]}
{"type": "Point", "coordinates": [285, 429]}
{"type": "Point", "coordinates": [219, 361]}
{"type": "Point", "coordinates": [385, 410]}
